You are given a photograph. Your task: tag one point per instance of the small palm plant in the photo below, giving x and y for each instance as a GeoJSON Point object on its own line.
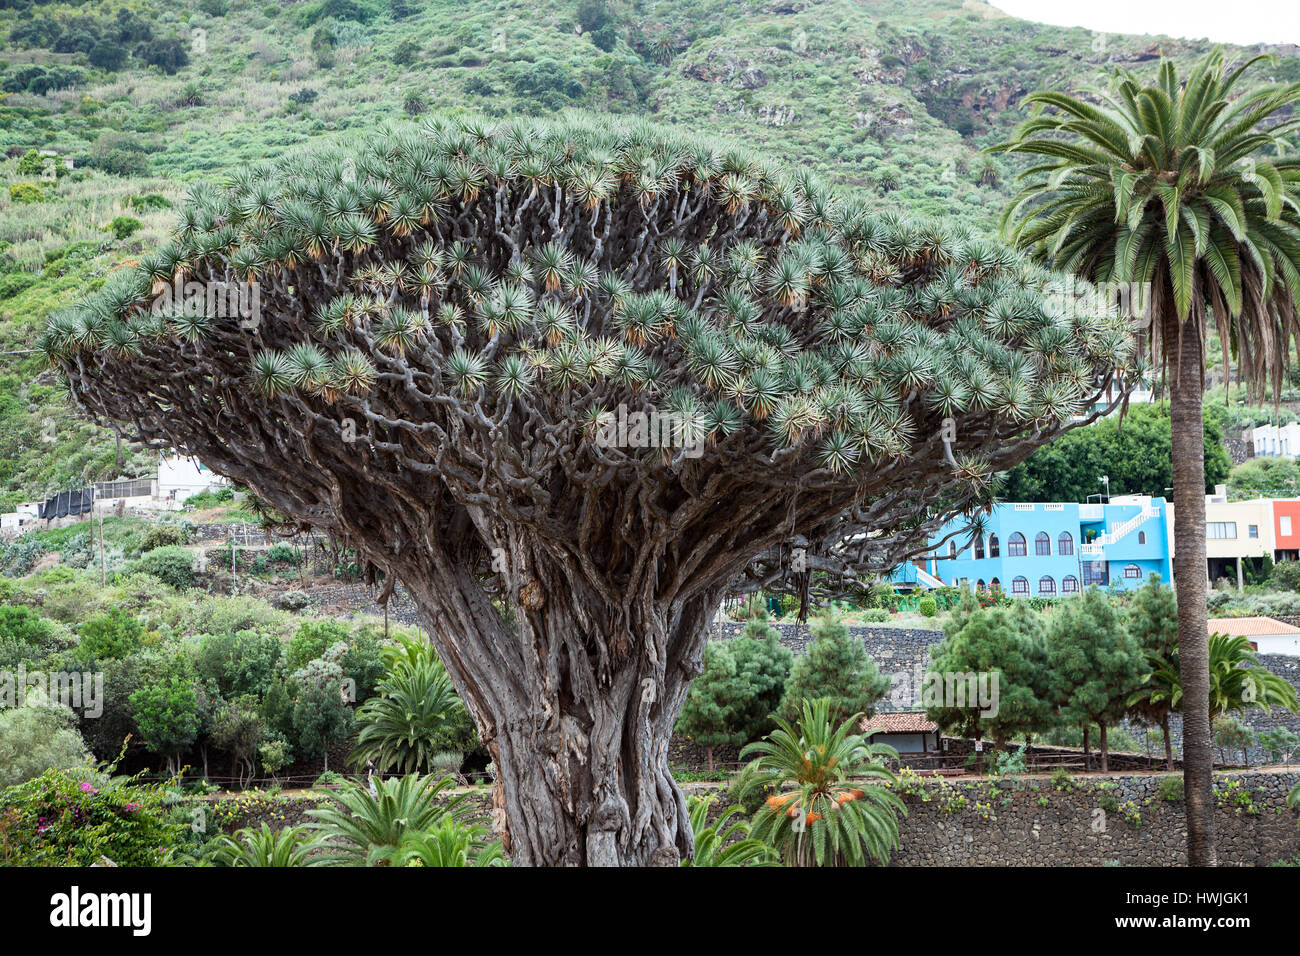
{"type": "Point", "coordinates": [452, 843]}
{"type": "Point", "coordinates": [357, 829]}
{"type": "Point", "coordinates": [265, 847]}
{"type": "Point", "coordinates": [725, 842]}
{"type": "Point", "coordinates": [416, 719]}
{"type": "Point", "coordinates": [817, 816]}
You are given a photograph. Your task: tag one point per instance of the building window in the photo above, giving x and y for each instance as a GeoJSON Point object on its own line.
{"type": "Point", "coordinates": [1020, 586]}
{"type": "Point", "coordinates": [952, 549]}
{"type": "Point", "coordinates": [993, 546]}
{"type": "Point", "coordinates": [979, 585]}
{"type": "Point", "coordinates": [1132, 571]}
{"type": "Point", "coordinates": [1221, 529]}
{"type": "Point", "coordinates": [1142, 537]}
{"type": "Point", "coordinates": [1285, 522]}
{"type": "Point", "coordinates": [979, 549]}
{"type": "Point", "coordinates": [1046, 586]}
{"type": "Point", "coordinates": [1016, 546]}
{"type": "Point", "coordinates": [1069, 584]}
{"type": "Point", "coordinates": [1065, 543]}
{"type": "Point", "coordinates": [1253, 531]}
{"type": "Point", "coordinates": [995, 585]}
{"type": "Point", "coordinates": [1043, 543]}
{"type": "Point", "coordinates": [1094, 572]}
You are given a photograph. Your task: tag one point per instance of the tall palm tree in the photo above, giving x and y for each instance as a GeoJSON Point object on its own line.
{"type": "Point", "coordinates": [1167, 186]}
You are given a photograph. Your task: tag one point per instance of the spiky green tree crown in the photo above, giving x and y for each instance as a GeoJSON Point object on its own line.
{"type": "Point", "coordinates": [475, 300]}
{"type": "Point", "coordinates": [1188, 188]}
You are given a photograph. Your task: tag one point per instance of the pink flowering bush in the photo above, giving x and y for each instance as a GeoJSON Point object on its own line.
{"type": "Point", "coordinates": [62, 819]}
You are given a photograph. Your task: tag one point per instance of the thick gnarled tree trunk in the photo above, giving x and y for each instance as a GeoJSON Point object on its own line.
{"type": "Point", "coordinates": [579, 725]}
{"type": "Point", "coordinates": [1184, 348]}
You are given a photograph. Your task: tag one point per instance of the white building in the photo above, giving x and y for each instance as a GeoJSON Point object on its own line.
{"type": "Point", "coordinates": [1276, 441]}
{"type": "Point", "coordinates": [26, 513]}
{"type": "Point", "coordinates": [179, 478]}
{"type": "Point", "coordinates": [1265, 634]}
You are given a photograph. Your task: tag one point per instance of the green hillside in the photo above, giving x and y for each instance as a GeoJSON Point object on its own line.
{"type": "Point", "coordinates": [143, 99]}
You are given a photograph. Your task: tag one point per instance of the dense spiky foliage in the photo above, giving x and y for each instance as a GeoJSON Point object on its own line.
{"type": "Point", "coordinates": [1172, 191]}
{"type": "Point", "coordinates": [291, 846]}
{"type": "Point", "coordinates": [1238, 683]}
{"type": "Point", "coordinates": [831, 806]}
{"type": "Point", "coordinates": [356, 828]}
{"type": "Point", "coordinates": [415, 715]}
{"type": "Point", "coordinates": [447, 390]}
{"type": "Point", "coordinates": [725, 841]}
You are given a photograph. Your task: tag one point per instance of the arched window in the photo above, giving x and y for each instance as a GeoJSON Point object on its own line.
{"type": "Point", "coordinates": [1046, 586]}
{"type": "Point", "coordinates": [979, 585]}
{"type": "Point", "coordinates": [979, 549]}
{"type": "Point", "coordinates": [1043, 543]}
{"type": "Point", "coordinates": [1132, 571]}
{"type": "Point", "coordinates": [1016, 546]}
{"type": "Point", "coordinates": [1142, 537]}
{"type": "Point", "coordinates": [1069, 584]}
{"type": "Point", "coordinates": [993, 546]}
{"type": "Point", "coordinates": [952, 549]}
{"type": "Point", "coordinates": [1020, 586]}
{"type": "Point", "coordinates": [1065, 545]}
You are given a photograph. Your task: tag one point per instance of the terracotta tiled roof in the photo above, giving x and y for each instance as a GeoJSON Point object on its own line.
{"type": "Point", "coordinates": [898, 723]}
{"type": "Point", "coordinates": [1249, 626]}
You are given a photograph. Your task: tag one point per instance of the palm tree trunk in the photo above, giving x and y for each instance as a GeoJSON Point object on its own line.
{"type": "Point", "coordinates": [1186, 361]}
{"type": "Point", "coordinates": [1169, 742]}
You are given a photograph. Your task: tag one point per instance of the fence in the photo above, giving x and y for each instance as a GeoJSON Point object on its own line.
{"type": "Point", "coordinates": [125, 488]}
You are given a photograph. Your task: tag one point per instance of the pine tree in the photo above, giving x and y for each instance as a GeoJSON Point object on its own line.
{"type": "Point", "coordinates": [837, 667]}
{"type": "Point", "coordinates": [1095, 664]}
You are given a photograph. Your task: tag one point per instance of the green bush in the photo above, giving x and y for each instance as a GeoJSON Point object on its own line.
{"type": "Point", "coordinates": [66, 818]}
{"type": "Point", "coordinates": [25, 626]}
{"type": "Point", "coordinates": [311, 640]}
{"type": "Point", "coordinates": [874, 615]}
{"type": "Point", "coordinates": [1286, 575]}
{"type": "Point", "coordinates": [25, 193]}
{"type": "Point", "coordinates": [147, 202]}
{"type": "Point", "coordinates": [123, 227]}
{"type": "Point", "coordinates": [36, 738]}
{"type": "Point", "coordinates": [171, 564]}
{"type": "Point", "coordinates": [110, 636]}
{"type": "Point", "coordinates": [928, 606]}
{"type": "Point", "coordinates": [1171, 788]}
{"type": "Point", "coordinates": [163, 535]}
{"type": "Point", "coordinates": [207, 499]}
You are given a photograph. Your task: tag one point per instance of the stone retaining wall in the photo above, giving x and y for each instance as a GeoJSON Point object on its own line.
{"type": "Point", "coordinates": [1094, 821]}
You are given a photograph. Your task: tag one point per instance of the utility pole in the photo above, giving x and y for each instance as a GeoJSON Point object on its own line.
{"type": "Point", "coordinates": [103, 573]}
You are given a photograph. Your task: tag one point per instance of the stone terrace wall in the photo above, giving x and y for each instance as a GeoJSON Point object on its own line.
{"type": "Point", "coordinates": [992, 823]}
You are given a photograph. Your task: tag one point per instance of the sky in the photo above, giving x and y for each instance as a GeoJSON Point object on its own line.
{"type": "Point", "coordinates": [1234, 21]}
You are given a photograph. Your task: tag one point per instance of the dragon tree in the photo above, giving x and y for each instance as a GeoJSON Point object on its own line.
{"type": "Point", "coordinates": [460, 332]}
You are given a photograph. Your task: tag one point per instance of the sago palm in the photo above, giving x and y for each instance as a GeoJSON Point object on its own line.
{"type": "Point", "coordinates": [357, 829]}
{"type": "Point", "coordinates": [265, 847]}
{"type": "Point", "coordinates": [827, 806]}
{"type": "Point", "coordinates": [451, 843]}
{"type": "Point", "coordinates": [1172, 189]}
{"type": "Point", "coordinates": [726, 841]}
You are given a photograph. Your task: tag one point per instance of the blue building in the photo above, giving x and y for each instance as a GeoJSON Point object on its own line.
{"type": "Point", "coordinates": [1054, 549]}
